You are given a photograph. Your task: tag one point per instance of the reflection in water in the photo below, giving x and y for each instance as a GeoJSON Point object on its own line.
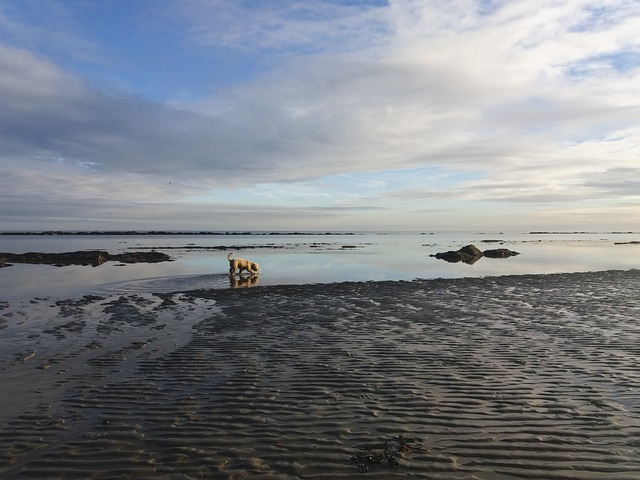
{"type": "Point", "coordinates": [243, 282]}
{"type": "Point", "coordinates": [199, 263]}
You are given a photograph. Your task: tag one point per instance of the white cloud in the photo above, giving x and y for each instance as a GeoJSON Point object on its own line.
{"type": "Point", "coordinates": [506, 101]}
{"type": "Point", "coordinates": [313, 26]}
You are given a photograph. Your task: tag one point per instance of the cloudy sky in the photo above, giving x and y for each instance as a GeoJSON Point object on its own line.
{"type": "Point", "coordinates": [320, 115]}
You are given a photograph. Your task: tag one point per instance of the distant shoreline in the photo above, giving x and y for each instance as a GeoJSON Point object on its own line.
{"type": "Point", "coordinates": [582, 233]}
{"type": "Point", "coordinates": [162, 232]}
{"type": "Point", "coordinates": [268, 233]}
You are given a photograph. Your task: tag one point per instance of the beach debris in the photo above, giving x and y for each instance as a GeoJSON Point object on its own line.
{"type": "Point", "coordinates": [387, 452]}
{"type": "Point", "coordinates": [470, 254]}
{"type": "Point", "coordinates": [26, 355]}
{"type": "Point", "coordinates": [597, 402]}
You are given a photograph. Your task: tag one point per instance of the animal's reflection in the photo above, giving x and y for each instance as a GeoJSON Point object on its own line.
{"type": "Point", "coordinates": [243, 282]}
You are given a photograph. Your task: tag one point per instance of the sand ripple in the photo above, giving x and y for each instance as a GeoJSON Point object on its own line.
{"type": "Point", "coordinates": [528, 377]}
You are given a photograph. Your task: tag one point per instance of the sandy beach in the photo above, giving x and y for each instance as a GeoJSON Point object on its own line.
{"type": "Point", "coordinates": [511, 377]}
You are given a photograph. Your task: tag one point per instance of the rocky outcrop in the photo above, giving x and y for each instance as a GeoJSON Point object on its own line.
{"type": "Point", "coordinates": [470, 254]}
{"type": "Point", "coordinates": [500, 253]}
{"type": "Point", "coordinates": [138, 257]}
{"type": "Point", "coordinates": [84, 257]}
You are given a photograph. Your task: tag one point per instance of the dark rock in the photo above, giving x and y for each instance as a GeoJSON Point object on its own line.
{"type": "Point", "coordinates": [135, 257]}
{"type": "Point", "coordinates": [86, 257]}
{"type": "Point", "coordinates": [471, 250]}
{"type": "Point", "coordinates": [89, 257]}
{"type": "Point", "coordinates": [500, 253]}
{"type": "Point", "coordinates": [469, 254]}
{"type": "Point", "coordinates": [450, 256]}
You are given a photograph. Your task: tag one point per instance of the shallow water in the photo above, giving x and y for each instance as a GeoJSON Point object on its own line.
{"type": "Point", "coordinates": [477, 378]}
{"type": "Point", "coordinates": [200, 260]}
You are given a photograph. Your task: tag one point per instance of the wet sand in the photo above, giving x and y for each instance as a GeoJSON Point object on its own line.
{"type": "Point", "coordinates": [508, 377]}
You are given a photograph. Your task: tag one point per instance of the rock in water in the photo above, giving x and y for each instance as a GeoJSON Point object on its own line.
{"type": "Point", "coordinates": [86, 257]}
{"type": "Point", "coordinates": [500, 253]}
{"type": "Point", "coordinates": [470, 254]}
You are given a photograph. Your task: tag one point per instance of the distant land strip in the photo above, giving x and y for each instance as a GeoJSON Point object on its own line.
{"type": "Point", "coordinates": [581, 233]}
{"type": "Point", "coordinates": [218, 233]}
{"type": "Point", "coordinates": [161, 232]}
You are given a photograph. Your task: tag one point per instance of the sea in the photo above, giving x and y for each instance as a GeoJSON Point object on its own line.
{"type": "Point", "coordinates": [199, 259]}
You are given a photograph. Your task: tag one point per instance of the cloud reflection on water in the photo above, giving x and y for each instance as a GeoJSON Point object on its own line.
{"type": "Point", "coordinates": [292, 259]}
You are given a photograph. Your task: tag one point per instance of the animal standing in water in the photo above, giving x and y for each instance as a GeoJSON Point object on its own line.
{"type": "Point", "coordinates": [241, 265]}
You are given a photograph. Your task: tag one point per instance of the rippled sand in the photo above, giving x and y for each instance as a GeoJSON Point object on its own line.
{"type": "Point", "coordinates": [497, 378]}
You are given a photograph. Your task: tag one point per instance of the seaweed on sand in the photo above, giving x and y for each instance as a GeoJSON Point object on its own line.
{"type": "Point", "coordinates": [386, 452]}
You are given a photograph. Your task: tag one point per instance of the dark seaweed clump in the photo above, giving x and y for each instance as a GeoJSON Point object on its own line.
{"type": "Point", "coordinates": [383, 453]}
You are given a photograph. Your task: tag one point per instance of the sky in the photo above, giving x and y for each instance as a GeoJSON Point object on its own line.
{"type": "Point", "coordinates": [330, 115]}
